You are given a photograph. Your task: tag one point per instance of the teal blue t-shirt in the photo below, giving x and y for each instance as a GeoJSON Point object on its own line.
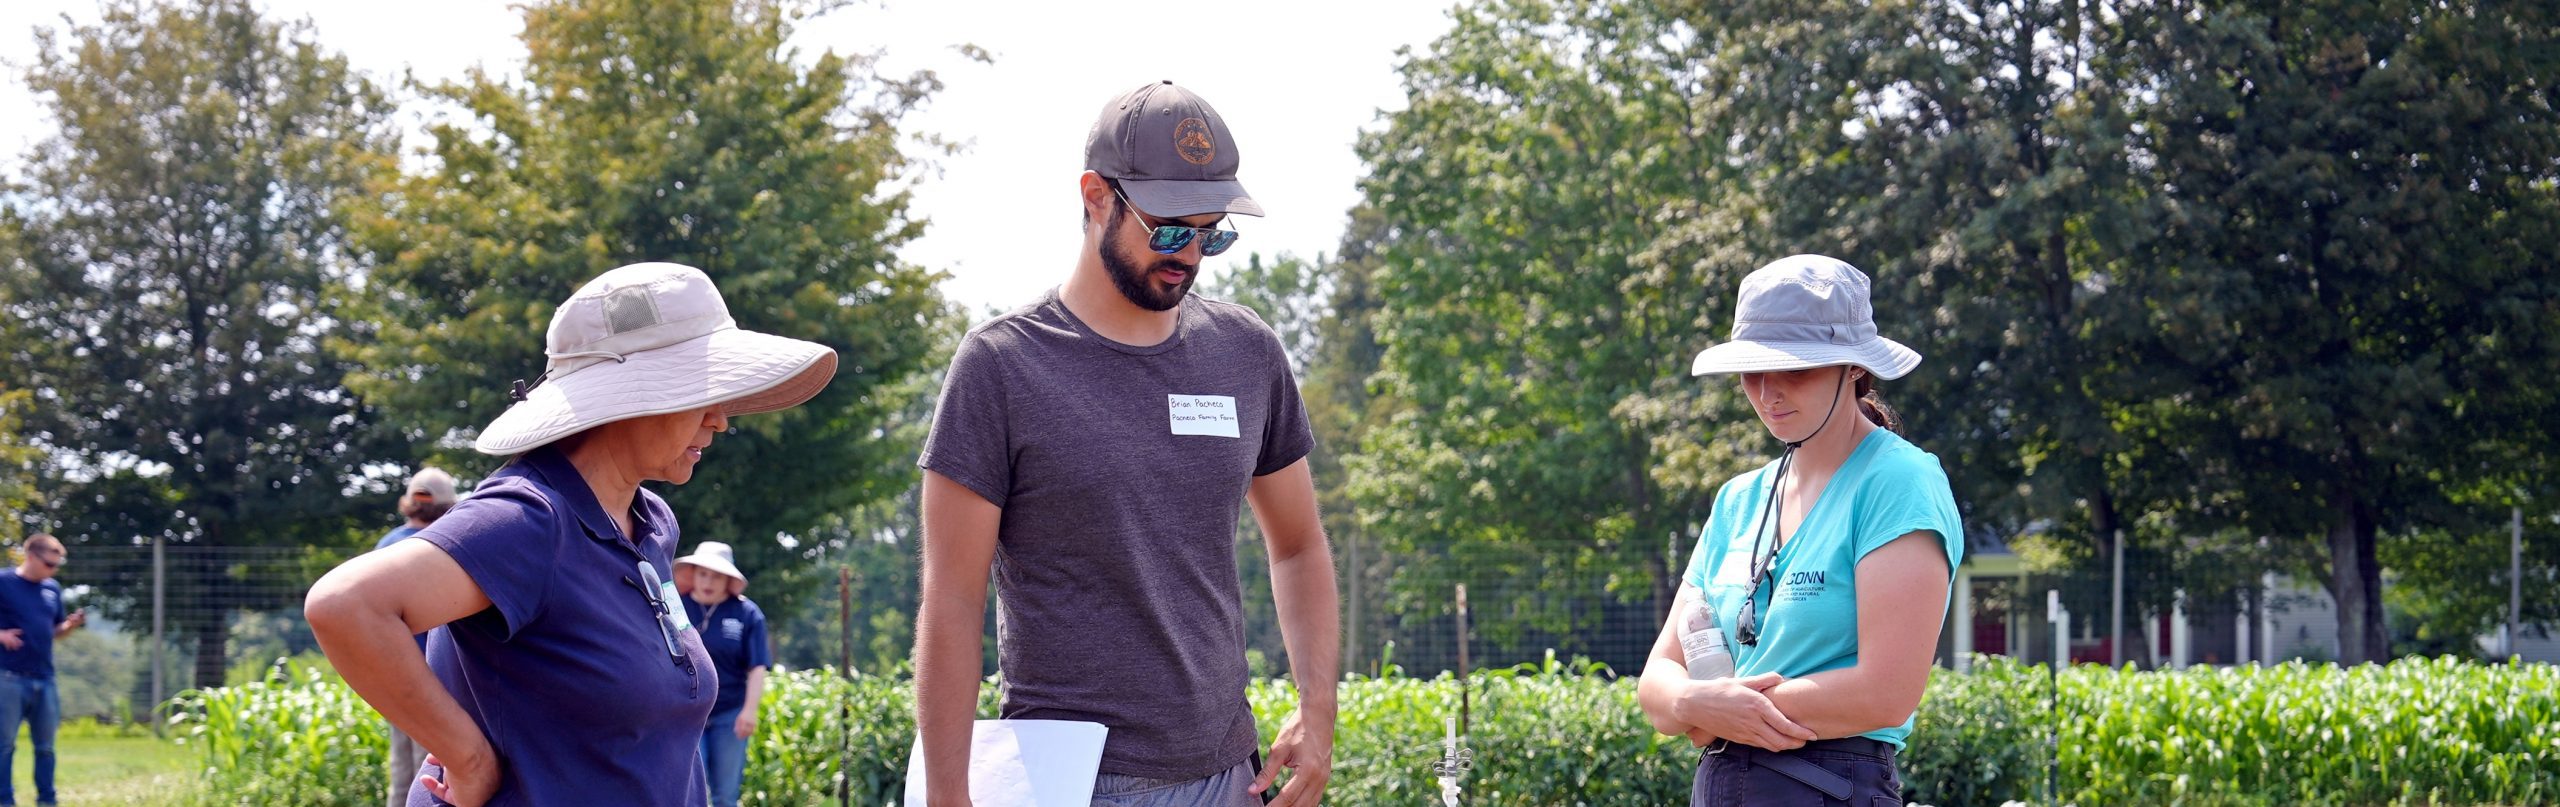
{"type": "Point", "coordinates": [1888, 488]}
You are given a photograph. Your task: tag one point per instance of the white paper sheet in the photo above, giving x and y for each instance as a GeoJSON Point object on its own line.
{"type": "Point", "coordinates": [1033, 763]}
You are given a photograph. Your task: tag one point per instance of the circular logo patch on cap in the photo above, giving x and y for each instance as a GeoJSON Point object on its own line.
{"type": "Point", "coordinates": [1191, 140]}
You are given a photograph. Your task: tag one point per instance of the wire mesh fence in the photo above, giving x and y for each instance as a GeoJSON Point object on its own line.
{"type": "Point", "coordinates": [1397, 610]}
{"type": "Point", "coordinates": [207, 616]}
{"type": "Point", "coordinates": [185, 616]}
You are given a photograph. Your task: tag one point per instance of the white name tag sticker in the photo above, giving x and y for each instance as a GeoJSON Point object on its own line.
{"type": "Point", "coordinates": [674, 607]}
{"type": "Point", "coordinates": [1209, 415]}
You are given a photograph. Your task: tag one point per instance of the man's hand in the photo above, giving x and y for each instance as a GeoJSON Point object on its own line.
{"type": "Point", "coordinates": [78, 618]}
{"type": "Point", "coordinates": [746, 723]}
{"type": "Point", "coordinates": [13, 638]}
{"type": "Point", "coordinates": [1305, 748]}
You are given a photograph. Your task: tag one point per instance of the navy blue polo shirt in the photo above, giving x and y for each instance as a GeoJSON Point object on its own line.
{"type": "Point", "coordinates": [568, 674]}
{"type": "Point", "coordinates": [34, 609]}
{"type": "Point", "coordinates": [733, 633]}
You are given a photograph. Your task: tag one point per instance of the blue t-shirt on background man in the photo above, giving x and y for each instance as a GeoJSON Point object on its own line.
{"type": "Point", "coordinates": [393, 537]}
{"type": "Point", "coordinates": [1887, 488]}
{"type": "Point", "coordinates": [733, 633]}
{"type": "Point", "coordinates": [34, 609]}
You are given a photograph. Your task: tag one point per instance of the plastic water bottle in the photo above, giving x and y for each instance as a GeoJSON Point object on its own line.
{"type": "Point", "coordinates": [1703, 643]}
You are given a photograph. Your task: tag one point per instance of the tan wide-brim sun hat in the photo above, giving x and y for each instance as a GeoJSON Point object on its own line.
{"type": "Point", "coordinates": [711, 556]}
{"type": "Point", "coordinates": [651, 339]}
{"type": "Point", "coordinates": [1802, 312]}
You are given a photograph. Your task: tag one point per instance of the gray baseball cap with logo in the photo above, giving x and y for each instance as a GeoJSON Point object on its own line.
{"type": "Point", "coordinates": [1170, 152]}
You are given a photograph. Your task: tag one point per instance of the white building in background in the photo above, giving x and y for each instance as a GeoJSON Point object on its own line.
{"type": "Point", "coordinates": [2535, 644]}
{"type": "Point", "coordinates": [2004, 607]}
{"type": "Point", "coordinates": [1999, 608]}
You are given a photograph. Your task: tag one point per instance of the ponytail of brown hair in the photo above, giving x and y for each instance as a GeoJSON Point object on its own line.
{"type": "Point", "coordinates": [1874, 406]}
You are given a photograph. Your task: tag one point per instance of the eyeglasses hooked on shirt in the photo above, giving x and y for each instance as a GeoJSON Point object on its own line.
{"type": "Point", "coordinates": [670, 620]}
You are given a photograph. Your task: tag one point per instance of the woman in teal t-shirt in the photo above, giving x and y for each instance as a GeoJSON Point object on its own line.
{"type": "Point", "coordinates": [1826, 571]}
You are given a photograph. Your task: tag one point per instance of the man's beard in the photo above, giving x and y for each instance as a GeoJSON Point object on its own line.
{"type": "Point", "coordinates": [1131, 278]}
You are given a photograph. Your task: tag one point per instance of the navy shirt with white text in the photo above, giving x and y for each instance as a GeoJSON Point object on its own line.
{"type": "Point", "coordinates": [34, 609]}
{"type": "Point", "coordinates": [733, 633]}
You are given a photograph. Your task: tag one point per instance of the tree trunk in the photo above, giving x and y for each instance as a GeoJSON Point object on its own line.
{"type": "Point", "coordinates": [2355, 581]}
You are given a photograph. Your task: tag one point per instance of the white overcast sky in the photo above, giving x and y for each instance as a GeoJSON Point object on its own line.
{"type": "Point", "coordinates": [1297, 83]}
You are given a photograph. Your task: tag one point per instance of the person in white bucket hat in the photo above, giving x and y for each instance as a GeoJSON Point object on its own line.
{"type": "Point", "coordinates": [561, 667]}
{"type": "Point", "coordinates": [733, 633]}
{"type": "Point", "coordinates": [1824, 574]}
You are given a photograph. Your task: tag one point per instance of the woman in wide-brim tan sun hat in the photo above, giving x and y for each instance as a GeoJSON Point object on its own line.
{"type": "Point", "coordinates": [562, 667]}
{"type": "Point", "coordinates": [733, 633]}
{"type": "Point", "coordinates": [1800, 643]}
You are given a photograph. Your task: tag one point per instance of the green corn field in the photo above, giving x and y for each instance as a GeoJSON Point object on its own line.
{"type": "Point", "coordinates": [2417, 731]}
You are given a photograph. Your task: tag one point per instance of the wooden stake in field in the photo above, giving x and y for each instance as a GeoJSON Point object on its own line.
{"type": "Point", "coordinates": [1462, 658]}
{"type": "Point", "coordinates": [1455, 758]}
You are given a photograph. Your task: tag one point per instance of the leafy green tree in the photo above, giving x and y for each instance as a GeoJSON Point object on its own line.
{"type": "Point", "coordinates": [169, 269]}
{"type": "Point", "coordinates": [1518, 196]}
{"type": "Point", "coordinates": [670, 130]}
{"type": "Point", "coordinates": [1341, 412]}
{"type": "Point", "coordinates": [21, 461]}
{"type": "Point", "coordinates": [2449, 582]}
{"type": "Point", "coordinates": [2163, 255]}
{"type": "Point", "coordinates": [96, 673]}
{"type": "Point", "coordinates": [1968, 156]}
{"type": "Point", "coordinates": [874, 545]}
{"type": "Point", "coordinates": [2349, 275]}
{"type": "Point", "coordinates": [1320, 309]}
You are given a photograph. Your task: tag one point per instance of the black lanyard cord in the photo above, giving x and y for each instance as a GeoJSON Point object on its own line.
{"type": "Point", "coordinates": [1772, 508]}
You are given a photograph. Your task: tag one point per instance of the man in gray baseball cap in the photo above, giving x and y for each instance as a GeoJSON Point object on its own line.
{"type": "Point", "coordinates": [1169, 152]}
{"type": "Point", "coordinates": [1091, 454]}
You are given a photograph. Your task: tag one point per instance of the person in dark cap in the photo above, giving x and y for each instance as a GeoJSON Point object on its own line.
{"type": "Point", "coordinates": [1094, 448]}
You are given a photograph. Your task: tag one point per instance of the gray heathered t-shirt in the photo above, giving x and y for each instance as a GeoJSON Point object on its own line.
{"type": "Point", "coordinates": [1121, 471]}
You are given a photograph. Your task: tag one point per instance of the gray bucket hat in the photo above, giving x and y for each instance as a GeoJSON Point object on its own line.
{"type": "Point", "coordinates": [1800, 312]}
{"type": "Point", "coordinates": [1170, 152]}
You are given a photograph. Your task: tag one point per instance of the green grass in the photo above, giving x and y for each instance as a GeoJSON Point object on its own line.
{"type": "Point", "coordinates": [94, 767]}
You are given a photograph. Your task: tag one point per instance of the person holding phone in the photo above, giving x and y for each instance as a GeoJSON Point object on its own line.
{"type": "Point", "coordinates": [32, 616]}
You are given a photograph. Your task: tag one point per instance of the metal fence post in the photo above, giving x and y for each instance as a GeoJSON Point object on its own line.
{"type": "Point", "coordinates": [159, 626]}
{"type": "Point", "coordinates": [844, 670]}
{"type": "Point", "coordinates": [2515, 583]}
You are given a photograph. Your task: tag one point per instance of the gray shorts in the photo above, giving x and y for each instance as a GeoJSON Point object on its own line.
{"type": "Point", "coordinates": [1223, 789]}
